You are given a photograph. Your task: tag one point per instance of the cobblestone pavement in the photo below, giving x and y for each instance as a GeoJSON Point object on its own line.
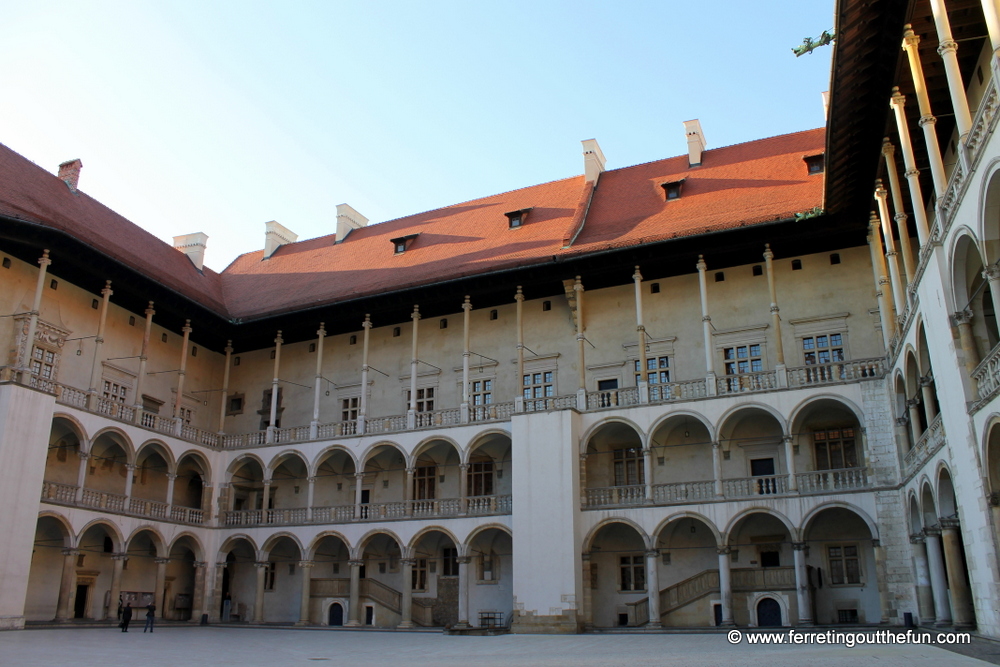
{"type": "Point", "coordinates": [252, 647]}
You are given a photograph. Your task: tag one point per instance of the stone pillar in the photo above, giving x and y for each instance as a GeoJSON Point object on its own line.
{"type": "Point", "coordinates": [273, 415]}
{"type": "Point", "coordinates": [889, 153]}
{"type": "Point", "coordinates": [725, 587]}
{"type": "Point", "coordinates": [897, 103]}
{"type": "Point", "coordinates": [925, 598]}
{"type": "Point", "coordinates": [310, 494]}
{"type": "Point", "coordinates": [258, 600]}
{"type": "Point", "coordinates": [81, 475]}
{"type": "Point", "coordinates": [913, 406]}
{"type": "Point", "coordinates": [354, 606]}
{"type": "Point", "coordinates": [463, 592]}
{"type": "Point", "coordinates": [793, 482]}
{"type": "Point", "coordinates": [359, 478]}
{"type": "Point", "coordinates": [24, 364]}
{"type": "Point", "coordinates": [878, 259]}
{"type": "Point", "coordinates": [640, 330]}
{"type": "Point", "coordinates": [647, 462]}
{"type": "Point", "coordinates": [927, 120]}
{"type": "Point", "coordinates": [882, 581]}
{"type": "Point", "coordinates": [406, 604]}
{"type": "Point", "coordinates": [317, 390]}
{"type": "Point", "coordinates": [198, 597]}
{"type": "Point", "coordinates": [67, 585]}
{"type": "Point", "coordinates": [225, 387]}
{"type": "Point", "coordinates": [161, 583]}
{"type": "Point", "coordinates": [117, 564]}
{"type": "Point", "coordinates": [305, 568]}
{"type": "Point", "coordinates": [948, 50]}
{"type": "Point", "coordinates": [463, 487]}
{"type": "Point", "coordinates": [898, 290]}
{"type": "Point", "coordinates": [883, 304]}
{"type": "Point", "coordinates": [706, 322]}
{"type": "Point", "coordinates": [519, 398]}
{"type": "Point", "coordinates": [363, 409]}
{"type": "Point", "coordinates": [129, 478]}
{"type": "Point", "coordinates": [265, 501]}
{"type": "Point", "coordinates": [961, 595]}
{"type": "Point", "coordinates": [992, 15]}
{"type": "Point", "coordinates": [927, 390]}
{"type": "Point", "coordinates": [466, 353]}
{"type": "Point", "coordinates": [963, 319]}
{"type": "Point", "coordinates": [411, 414]}
{"type": "Point", "coordinates": [215, 608]}
{"type": "Point", "coordinates": [206, 501]}
{"type": "Point", "coordinates": [717, 467]}
{"type": "Point", "coordinates": [652, 588]}
{"type": "Point", "coordinates": [588, 593]}
{"type": "Point", "coordinates": [939, 586]}
{"type": "Point", "coordinates": [408, 491]}
{"type": "Point", "coordinates": [95, 368]}
{"type": "Point", "coordinates": [803, 594]}
{"type": "Point", "coordinates": [180, 377]}
{"type": "Point", "coordinates": [992, 275]}
{"type": "Point", "coordinates": [581, 388]}
{"type": "Point", "coordinates": [171, 479]}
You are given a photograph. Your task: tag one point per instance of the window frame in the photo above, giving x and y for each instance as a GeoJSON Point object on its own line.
{"type": "Point", "coordinates": [829, 560]}
{"type": "Point", "coordinates": [636, 565]}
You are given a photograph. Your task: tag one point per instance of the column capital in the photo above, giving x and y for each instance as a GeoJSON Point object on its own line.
{"type": "Point", "coordinates": [933, 531]}
{"type": "Point", "coordinates": [130, 466]}
{"type": "Point", "coordinates": [70, 552]}
{"type": "Point", "coordinates": [359, 475]}
{"type": "Point", "coordinates": [910, 38]}
{"type": "Point", "coordinates": [354, 562]}
{"type": "Point", "coordinates": [653, 553]}
{"type": "Point", "coordinates": [912, 173]}
{"type": "Point", "coordinates": [407, 561]}
{"type": "Point", "coordinates": [367, 324]}
{"type": "Point", "coordinates": [880, 192]}
{"type": "Point", "coordinates": [220, 565]}
{"type": "Point", "coordinates": [161, 561]}
{"type": "Point", "coordinates": [321, 332]}
{"type": "Point", "coordinates": [897, 99]}
{"type": "Point", "coordinates": [464, 560]}
{"type": "Point", "coordinates": [724, 551]}
{"type": "Point", "coordinates": [774, 309]}
{"type": "Point", "coordinates": [464, 467]}
{"type": "Point", "coordinates": [466, 305]}
{"type": "Point", "coordinates": [106, 291]}
{"type": "Point", "coordinates": [701, 265]}
{"type": "Point", "coordinates": [800, 546]}
{"type": "Point", "coordinates": [83, 455]}
{"type": "Point", "coordinates": [787, 438]}
{"type": "Point", "coordinates": [902, 421]}
{"type": "Point", "coordinates": [925, 380]}
{"type": "Point", "coordinates": [228, 349]}
{"type": "Point", "coordinates": [187, 327]}
{"type": "Point", "coordinates": [310, 480]}
{"type": "Point", "coordinates": [305, 563]}
{"type": "Point", "coordinates": [44, 259]}
{"type": "Point", "coordinates": [992, 273]}
{"type": "Point", "coordinates": [199, 564]}
{"type": "Point", "coordinates": [578, 285]}
{"type": "Point", "coordinates": [887, 148]}
{"type": "Point", "coordinates": [149, 312]}
{"type": "Point", "coordinates": [876, 543]}
{"type": "Point", "coordinates": [278, 340]}
{"type": "Point", "coordinates": [415, 315]}
{"type": "Point", "coordinates": [917, 538]}
{"type": "Point", "coordinates": [963, 316]}
{"type": "Point", "coordinates": [585, 556]}
{"type": "Point", "coordinates": [637, 277]}
{"type": "Point", "coordinates": [993, 499]}
{"type": "Point", "coordinates": [900, 218]}
{"type": "Point", "coordinates": [948, 523]}
{"type": "Point", "coordinates": [913, 402]}
{"type": "Point", "coordinates": [947, 46]}
{"type": "Point", "coordinates": [119, 556]}
{"type": "Point", "coordinates": [873, 224]}
{"type": "Point", "coordinates": [927, 120]}
{"type": "Point", "coordinates": [262, 564]}
{"type": "Point", "coordinates": [768, 254]}
{"type": "Point", "coordinates": [519, 296]}
{"type": "Point", "coordinates": [716, 445]}
{"type": "Point", "coordinates": [172, 476]}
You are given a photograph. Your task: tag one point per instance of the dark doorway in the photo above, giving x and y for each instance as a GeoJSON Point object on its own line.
{"type": "Point", "coordinates": [622, 619]}
{"type": "Point", "coordinates": [225, 591]}
{"type": "Point", "coordinates": [336, 614]}
{"type": "Point", "coordinates": [80, 605]}
{"type": "Point", "coordinates": [764, 468]}
{"type": "Point", "coordinates": [369, 615]}
{"type": "Point", "coordinates": [366, 495]}
{"type": "Point", "coordinates": [770, 559]}
{"type": "Point", "coordinates": [768, 613]}
{"type": "Point", "coordinates": [717, 609]}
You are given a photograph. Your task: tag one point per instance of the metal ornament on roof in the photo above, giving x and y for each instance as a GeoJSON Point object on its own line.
{"type": "Point", "coordinates": [809, 44]}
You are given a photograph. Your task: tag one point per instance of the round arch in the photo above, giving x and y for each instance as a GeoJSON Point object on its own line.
{"type": "Point", "coordinates": [836, 504]}
{"type": "Point", "coordinates": [691, 414]}
{"type": "Point", "coordinates": [206, 467]}
{"type": "Point", "coordinates": [371, 451]}
{"type": "Point", "coordinates": [928, 504]}
{"type": "Point", "coordinates": [114, 532]}
{"type": "Point", "coordinates": [991, 451]}
{"type": "Point", "coordinates": [426, 530]}
{"type": "Point", "coordinates": [588, 541]}
{"type": "Point", "coordinates": [606, 422]}
{"type": "Point", "coordinates": [156, 537]}
{"type": "Point", "coordinates": [230, 544]}
{"type": "Point", "coordinates": [465, 545]}
{"type": "Point", "coordinates": [429, 442]}
{"type": "Point", "coordinates": [282, 457]}
{"type": "Point", "coordinates": [310, 552]}
{"type": "Point", "coordinates": [480, 439]}
{"type": "Point", "coordinates": [677, 516]}
{"type": "Point", "coordinates": [272, 540]}
{"type": "Point", "coordinates": [75, 426]}
{"type": "Point", "coordinates": [119, 437]}
{"type": "Point", "coordinates": [327, 452]}
{"type": "Point", "coordinates": [62, 521]}
{"type": "Point", "coordinates": [359, 550]}
{"type": "Point", "coordinates": [198, 548]}
{"type": "Point", "coordinates": [733, 415]}
{"type": "Point", "coordinates": [242, 460]}
{"type": "Point", "coordinates": [945, 491]}
{"type": "Point", "coordinates": [988, 219]}
{"type": "Point", "coordinates": [796, 416]}
{"type": "Point", "coordinates": [743, 514]}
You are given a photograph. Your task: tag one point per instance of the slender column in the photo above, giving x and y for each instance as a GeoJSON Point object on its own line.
{"type": "Point", "coordinates": [215, 608]}
{"type": "Point", "coordinates": [359, 478]}
{"type": "Point", "coordinates": [310, 494]}
{"type": "Point", "coordinates": [963, 319]}
{"type": "Point", "coordinates": [802, 583]}
{"type": "Point", "coordinates": [793, 483]}
{"type": "Point", "coordinates": [407, 603]}
{"type": "Point", "coordinates": [519, 399]}
{"type": "Point", "coordinates": [463, 592]}
{"type": "Point", "coordinates": [889, 153]}
{"type": "Point", "coordinates": [647, 461]}
{"type": "Point", "coordinates": [717, 467]}
{"type": "Point", "coordinates": [939, 587]}
{"type": "Point", "coordinates": [305, 568]}
{"type": "Point", "coordinates": [961, 595]}
{"type": "Point", "coordinates": [408, 491]}
{"type": "Point", "coordinates": [581, 390]}
{"type": "Point", "coordinates": [129, 478]}
{"type": "Point", "coordinates": [927, 390]}
{"type": "Point", "coordinates": [706, 322]}
{"type": "Point", "coordinates": [889, 312]}
{"type": "Point", "coordinates": [948, 50]}
{"type": "Point", "coordinates": [95, 368]}
{"type": "Point", "coordinates": [588, 593]}
{"type": "Point", "coordinates": [81, 475]}
{"type": "Point", "coordinates": [67, 585]}
{"type": "Point", "coordinates": [36, 305]}
{"type": "Point", "coordinates": [266, 497]}
{"type": "Point", "coordinates": [725, 587]}
{"type": "Point", "coordinates": [363, 410]}
{"type": "Point", "coordinates": [140, 379]}
{"type": "Point", "coordinates": [314, 424]}
{"type": "Point", "coordinates": [466, 354]}
{"type": "Point", "coordinates": [171, 478]}
{"type": "Point", "coordinates": [273, 416]}
{"type": "Point", "coordinates": [225, 387]}
{"type": "Point", "coordinates": [411, 414]}
{"type": "Point", "coordinates": [992, 15]}
{"type": "Point", "coordinates": [992, 275]}
{"type": "Point", "coordinates": [881, 580]}
{"type": "Point", "coordinates": [354, 606]}
{"type": "Point", "coordinates": [775, 311]}
{"type": "Point", "coordinates": [640, 330]}
{"type": "Point", "coordinates": [925, 598]}
{"type": "Point", "coordinates": [897, 103]}
{"type": "Point", "coordinates": [206, 501]}
{"type": "Point", "coordinates": [161, 582]}
{"type": "Point", "coordinates": [898, 292]}
{"type": "Point", "coordinates": [180, 376]}
{"type": "Point", "coordinates": [198, 597]}
{"type": "Point", "coordinates": [117, 564]}
{"type": "Point", "coordinates": [258, 600]}
{"type": "Point", "coordinates": [927, 120]}
{"type": "Point", "coordinates": [913, 408]}
{"type": "Point", "coordinates": [463, 487]}
{"type": "Point", "coordinates": [652, 588]}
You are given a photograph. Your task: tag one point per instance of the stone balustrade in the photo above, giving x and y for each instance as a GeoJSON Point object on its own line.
{"type": "Point", "coordinates": [844, 371]}
{"type": "Point", "coordinates": [987, 375]}
{"type": "Point", "coordinates": [832, 481]}
{"type": "Point", "coordinates": [683, 493]}
{"type": "Point", "coordinates": [929, 443]}
{"type": "Point", "coordinates": [65, 494]}
{"type": "Point", "coordinates": [744, 382]}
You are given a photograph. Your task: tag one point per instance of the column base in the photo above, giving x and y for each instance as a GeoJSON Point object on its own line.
{"type": "Point", "coordinates": [11, 622]}
{"type": "Point", "coordinates": [654, 626]}
{"type": "Point", "coordinates": [806, 623]}
{"type": "Point", "coordinates": [352, 624]}
{"type": "Point", "coordinates": [727, 624]}
{"type": "Point", "coordinates": [405, 625]}
{"type": "Point", "coordinates": [462, 625]}
{"type": "Point", "coordinates": [302, 623]}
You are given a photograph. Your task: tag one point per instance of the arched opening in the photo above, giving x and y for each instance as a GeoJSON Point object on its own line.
{"type": "Point", "coordinates": [48, 556]}
{"type": "Point", "coordinates": [247, 494]}
{"type": "Point", "coordinates": [681, 456]}
{"type": "Point", "coordinates": [488, 480]}
{"type": "Point", "coordinates": [928, 386]}
{"type": "Point", "coordinates": [974, 303]}
{"type": "Point", "coordinates": [828, 442]}
{"type": "Point", "coordinates": [618, 576]}
{"type": "Point", "coordinates": [107, 477]}
{"type": "Point", "coordinates": [381, 582]}
{"type": "Point", "coordinates": [953, 547]}
{"type": "Point", "coordinates": [335, 615]}
{"type": "Point", "coordinates": [436, 486]}
{"type": "Point", "coordinates": [768, 613]}
{"type": "Point", "coordinates": [761, 562]}
{"type": "Point", "coordinates": [283, 588]}
{"type": "Point", "coordinates": [144, 576]}
{"type": "Point", "coordinates": [753, 459]}
{"type": "Point", "coordinates": [434, 580]}
{"type": "Point", "coordinates": [150, 481]}
{"type": "Point", "coordinates": [289, 490]}
{"type": "Point", "coordinates": [383, 486]}
{"type": "Point", "coordinates": [179, 590]}
{"type": "Point", "coordinates": [688, 574]}
{"type": "Point", "coordinates": [190, 490]}
{"type": "Point", "coordinates": [842, 573]}
{"type": "Point", "coordinates": [491, 578]}
{"type": "Point", "coordinates": [92, 570]}
{"type": "Point", "coordinates": [615, 467]}
{"type": "Point", "coordinates": [330, 585]}
{"type": "Point", "coordinates": [238, 588]}
{"type": "Point", "coordinates": [333, 494]}
{"type": "Point", "coordinates": [918, 422]}
{"type": "Point", "coordinates": [903, 432]}
{"type": "Point", "coordinates": [63, 463]}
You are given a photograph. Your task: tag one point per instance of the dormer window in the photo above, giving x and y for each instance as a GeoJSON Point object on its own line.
{"type": "Point", "coordinates": [815, 163]}
{"type": "Point", "coordinates": [516, 219]}
{"type": "Point", "coordinates": [672, 189]}
{"type": "Point", "coordinates": [400, 245]}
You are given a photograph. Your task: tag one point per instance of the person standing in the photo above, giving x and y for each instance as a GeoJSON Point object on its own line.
{"type": "Point", "coordinates": [120, 605]}
{"type": "Point", "coordinates": [126, 616]}
{"type": "Point", "coordinates": [150, 614]}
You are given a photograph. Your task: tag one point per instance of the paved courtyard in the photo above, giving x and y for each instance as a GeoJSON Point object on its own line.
{"type": "Point", "coordinates": [249, 647]}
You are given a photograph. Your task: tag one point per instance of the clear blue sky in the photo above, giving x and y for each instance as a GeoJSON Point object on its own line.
{"type": "Point", "coordinates": [219, 116]}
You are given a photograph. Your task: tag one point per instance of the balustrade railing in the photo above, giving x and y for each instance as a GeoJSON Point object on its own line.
{"type": "Point", "coordinates": [333, 514]}
{"type": "Point", "coordinates": [383, 511]}
{"type": "Point", "coordinates": [734, 384]}
{"type": "Point", "coordinates": [611, 398]}
{"type": "Point", "coordinates": [291, 434]}
{"type": "Point", "coordinates": [437, 507]}
{"type": "Point", "coordinates": [116, 410]}
{"type": "Point", "coordinates": [987, 374]}
{"type": "Point", "coordinates": [150, 508]}
{"type": "Point", "coordinates": [749, 487]}
{"type": "Point", "coordinates": [292, 515]}
{"type": "Point", "coordinates": [677, 391]}
{"type": "Point", "coordinates": [491, 412]}
{"type": "Point", "coordinates": [483, 505]}
{"type": "Point", "coordinates": [71, 396]}
{"type": "Point", "coordinates": [826, 481]}
{"type": "Point", "coordinates": [199, 435]}
{"type": "Point", "coordinates": [392, 424]}
{"type": "Point", "coordinates": [448, 417]}
{"type": "Point", "coordinates": [842, 371]}
{"type": "Point", "coordinates": [187, 515]}
{"type": "Point", "coordinates": [684, 492]}
{"type": "Point", "coordinates": [338, 429]}
{"type": "Point", "coordinates": [60, 493]}
{"type": "Point", "coordinates": [103, 500]}
{"type": "Point", "coordinates": [243, 517]}
{"type": "Point", "coordinates": [928, 444]}
{"type": "Point", "coordinates": [616, 495]}
{"type": "Point", "coordinates": [550, 403]}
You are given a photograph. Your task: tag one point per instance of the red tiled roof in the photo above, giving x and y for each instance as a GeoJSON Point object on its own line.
{"type": "Point", "coordinates": [739, 185]}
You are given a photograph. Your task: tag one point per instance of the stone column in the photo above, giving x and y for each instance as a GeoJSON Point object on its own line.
{"type": "Point", "coordinates": [717, 467]}
{"type": "Point", "coordinates": [273, 415]}
{"type": "Point", "coordinates": [161, 583]}
{"type": "Point", "coordinates": [305, 568]}
{"type": "Point", "coordinates": [886, 304]}
{"type": "Point", "coordinates": [961, 595]}
{"type": "Point", "coordinates": [310, 494]}
{"type": "Point", "coordinates": [802, 591]}
{"type": "Point", "coordinates": [882, 581]}
{"type": "Point", "coordinates": [706, 322]}
{"type": "Point", "coordinates": [24, 364]}
{"type": "Point", "coordinates": [143, 357]}
{"type": "Point", "coordinates": [206, 501]}
{"type": "Point", "coordinates": [408, 490]}
{"type": "Point", "coordinates": [466, 353]}
{"type": "Point", "coordinates": [925, 598]}
{"type": "Point", "coordinates": [258, 600]}
{"type": "Point", "coordinates": [883, 305]}
{"type": "Point", "coordinates": [359, 479]}
{"type": "Point", "coordinates": [652, 588]}
{"type": "Point", "coordinates": [991, 12]}
{"type": "Point", "coordinates": [463, 592]}
{"type": "Point", "coordinates": [793, 482]}
{"type": "Point", "coordinates": [317, 390]}
{"type": "Point", "coordinates": [898, 290]}
{"type": "Point", "coordinates": [67, 585]}
{"type": "Point", "coordinates": [779, 347]}
{"type": "Point", "coordinates": [939, 586]}
{"type": "Point", "coordinates": [948, 50]}
{"type": "Point", "coordinates": [725, 587]}
{"type": "Point", "coordinates": [927, 120]}
{"type": "Point", "coordinates": [198, 597]}
{"type": "Point", "coordinates": [927, 390]}
{"type": "Point", "coordinates": [186, 329]}
{"type": "Point", "coordinates": [171, 479]}
{"type": "Point", "coordinates": [519, 398]}
{"type": "Point", "coordinates": [963, 319]}
{"type": "Point", "coordinates": [265, 501]}
{"type": "Point", "coordinates": [363, 409]}
{"type": "Point", "coordinates": [588, 595]}
{"type": "Point", "coordinates": [897, 103]}
{"type": "Point", "coordinates": [225, 387]}
{"type": "Point", "coordinates": [215, 606]}
{"type": "Point", "coordinates": [129, 479]}
{"type": "Point", "coordinates": [647, 462]}
{"type": "Point", "coordinates": [581, 389]}
{"type": "Point", "coordinates": [640, 330]}
{"type": "Point", "coordinates": [81, 475]}
{"type": "Point", "coordinates": [889, 153]}
{"type": "Point", "coordinates": [463, 487]}
{"type": "Point", "coordinates": [95, 368]}
{"type": "Point", "coordinates": [411, 414]}
{"type": "Point", "coordinates": [117, 564]}
{"type": "Point", "coordinates": [913, 406]}
{"type": "Point", "coordinates": [406, 604]}
{"type": "Point", "coordinates": [354, 606]}
{"type": "Point", "coordinates": [992, 275]}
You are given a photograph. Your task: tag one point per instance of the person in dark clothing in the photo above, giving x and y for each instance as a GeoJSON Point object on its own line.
{"type": "Point", "coordinates": [126, 616]}
{"type": "Point", "coordinates": [150, 614]}
{"type": "Point", "coordinates": [120, 607]}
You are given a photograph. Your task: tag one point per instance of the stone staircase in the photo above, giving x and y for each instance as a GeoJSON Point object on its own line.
{"type": "Point", "coordinates": [421, 609]}
{"type": "Point", "coordinates": [743, 580]}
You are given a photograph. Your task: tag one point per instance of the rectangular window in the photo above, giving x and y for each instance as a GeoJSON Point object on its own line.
{"type": "Point", "coordinates": [419, 577]}
{"type": "Point", "coordinates": [424, 478]}
{"type": "Point", "coordinates": [269, 576]}
{"type": "Point", "coordinates": [349, 408]}
{"type": "Point", "coordinates": [449, 562]}
{"type": "Point", "coordinates": [743, 359]}
{"type": "Point", "coordinates": [825, 349]}
{"type": "Point", "coordinates": [539, 385]}
{"type": "Point", "coordinates": [845, 564]}
{"type": "Point", "coordinates": [481, 479]}
{"type": "Point", "coordinates": [114, 391]}
{"type": "Point", "coordinates": [657, 370]}
{"type": "Point", "coordinates": [43, 363]}
{"type": "Point", "coordinates": [186, 415]}
{"type": "Point", "coordinates": [835, 449]}
{"type": "Point", "coordinates": [481, 392]}
{"type": "Point", "coordinates": [633, 573]}
{"type": "Point", "coordinates": [488, 567]}
{"type": "Point", "coordinates": [629, 467]}
{"type": "Point", "coordinates": [425, 399]}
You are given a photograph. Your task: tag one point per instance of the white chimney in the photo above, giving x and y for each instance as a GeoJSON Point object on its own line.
{"type": "Point", "coordinates": [593, 160]}
{"type": "Point", "coordinates": [696, 141]}
{"type": "Point", "coordinates": [275, 236]}
{"type": "Point", "coordinates": [69, 172]}
{"type": "Point", "coordinates": [193, 245]}
{"type": "Point", "coordinates": [348, 219]}
{"type": "Point", "coordinates": [826, 103]}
